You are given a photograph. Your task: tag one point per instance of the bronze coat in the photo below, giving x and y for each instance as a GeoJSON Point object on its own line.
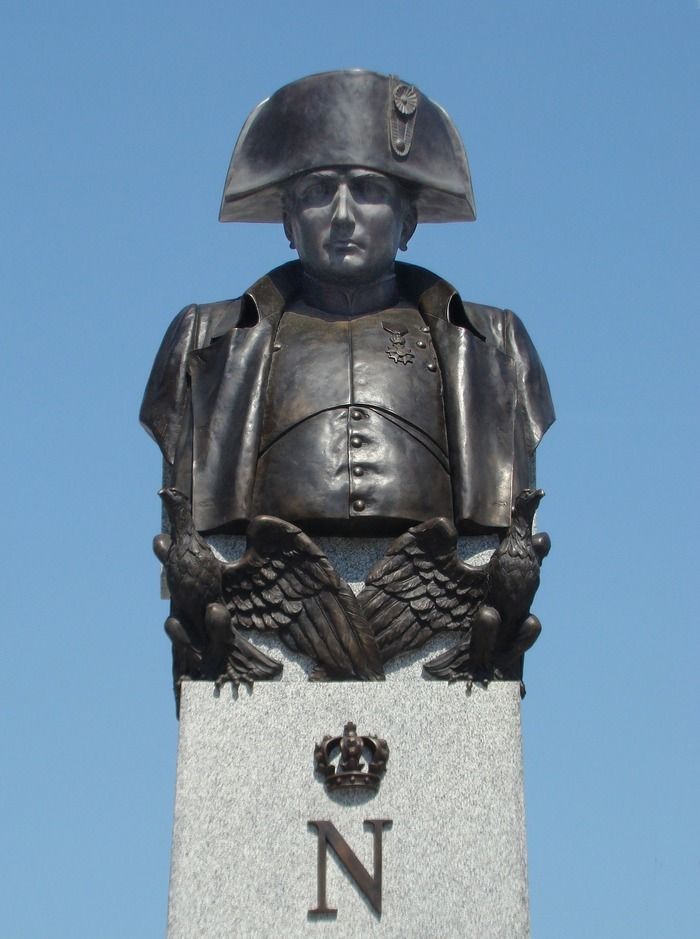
{"type": "Point", "coordinates": [204, 400]}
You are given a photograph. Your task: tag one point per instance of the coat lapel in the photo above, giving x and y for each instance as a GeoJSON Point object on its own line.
{"type": "Point", "coordinates": [480, 394]}
{"type": "Point", "coordinates": [229, 379]}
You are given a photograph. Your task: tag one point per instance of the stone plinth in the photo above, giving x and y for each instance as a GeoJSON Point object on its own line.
{"type": "Point", "coordinates": [244, 860]}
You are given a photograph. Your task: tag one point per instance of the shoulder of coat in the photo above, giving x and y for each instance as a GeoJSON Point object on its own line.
{"type": "Point", "coordinates": [218, 317]}
{"type": "Point", "coordinates": [492, 322]}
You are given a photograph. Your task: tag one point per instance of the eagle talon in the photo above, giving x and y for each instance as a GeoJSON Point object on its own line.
{"type": "Point", "coordinates": [229, 677]}
{"type": "Point", "coordinates": [472, 678]}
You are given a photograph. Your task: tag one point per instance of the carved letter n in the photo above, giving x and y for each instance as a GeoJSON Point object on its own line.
{"type": "Point", "coordinates": [328, 834]}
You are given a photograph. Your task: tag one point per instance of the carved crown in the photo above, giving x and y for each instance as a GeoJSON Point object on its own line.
{"type": "Point", "coordinates": [350, 772]}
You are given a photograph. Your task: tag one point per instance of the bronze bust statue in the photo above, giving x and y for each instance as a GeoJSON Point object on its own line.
{"type": "Point", "coordinates": [346, 393]}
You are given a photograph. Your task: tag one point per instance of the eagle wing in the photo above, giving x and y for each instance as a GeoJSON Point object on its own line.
{"type": "Point", "coordinates": [421, 587]}
{"type": "Point", "coordinates": [284, 583]}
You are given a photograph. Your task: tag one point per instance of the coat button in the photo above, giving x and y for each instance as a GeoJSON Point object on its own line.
{"type": "Point", "coordinates": [356, 440]}
{"type": "Point", "coordinates": [358, 471]}
{"type": "Point", "coordinates": [420, 344]}
{"type": "Point", "coordinates": [431, 366]}
{"type": "Point", "coordinates": [356, 415]}
{"type": "Point", "coordinates": [358, 505]}
{"type": "Point", "coordinates": [425, 329]}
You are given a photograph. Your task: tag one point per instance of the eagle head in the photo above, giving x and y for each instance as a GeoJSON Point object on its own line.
{"type": "Point", "coordinates": [525, 504]}
{"type": "Point", "coordinates": [177, 505]}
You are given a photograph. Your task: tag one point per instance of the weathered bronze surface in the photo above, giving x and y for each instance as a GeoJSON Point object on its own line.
{"type": "Point", "coordinates": [362, 461]}
{"type": "Point", "coordinates": [285, 584]}
{"type": "Point", "coordinates": [371, 886]}
{"type": "Point", "coordinates": [503, 629]}
{"type": "Point", "coordinates": [351, 772]}
{"type": "Point", "coordinates": [352, 117]}
{"type": "Point", "coordinates": [422, 587]}
{"type": "Point", "coordinates": [252, 400]}
{"type": "Point", "coordinates": [495, 399]}
{"type": "Point", "coordinates": [206, 645]}
{"type": "Point", "coordinates": [349, 395]}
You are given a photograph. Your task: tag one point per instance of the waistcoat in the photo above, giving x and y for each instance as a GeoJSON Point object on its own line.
{"type": "Point", "coordinates": [353, 423]}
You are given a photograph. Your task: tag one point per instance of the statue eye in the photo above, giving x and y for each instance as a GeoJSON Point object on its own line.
{"type": "Point", "coordinates": [316, 193]}
{"type": "Point", "coordinates": [369, 189]}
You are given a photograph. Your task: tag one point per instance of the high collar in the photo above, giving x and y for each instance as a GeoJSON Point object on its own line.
{"type": "Point", "coordinates": [433, 295]}
{"type": "Point", "coordinates": [339, 300]}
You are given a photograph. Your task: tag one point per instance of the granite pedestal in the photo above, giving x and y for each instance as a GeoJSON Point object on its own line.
{"type": "Point", "coordinates": [244, 860]}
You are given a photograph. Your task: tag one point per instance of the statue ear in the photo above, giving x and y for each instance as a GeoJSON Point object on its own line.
{"type": "Point", "coordinates": [288, 230]}
{"type": "Point", "coordinates": [408, 227]}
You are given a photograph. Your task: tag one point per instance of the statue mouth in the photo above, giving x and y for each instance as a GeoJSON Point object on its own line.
{"type": "Point", "coordinates": [343, 244]}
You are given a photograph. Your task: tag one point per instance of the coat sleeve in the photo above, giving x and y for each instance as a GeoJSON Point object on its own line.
{"type": "Point", "coordinates": [534, 405]}
{"type": "Point", "coordinates": [166, 400]}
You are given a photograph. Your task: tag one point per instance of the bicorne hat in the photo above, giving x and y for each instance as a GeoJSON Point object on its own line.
{"type": "Point", "coordinates": [348, 118]}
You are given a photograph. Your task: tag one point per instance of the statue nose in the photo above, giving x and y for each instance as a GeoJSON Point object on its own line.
{"type": "Point", "coordinates": [343, 212]}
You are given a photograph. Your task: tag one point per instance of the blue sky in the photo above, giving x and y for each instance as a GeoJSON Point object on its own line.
{"type": "Point", "coordinates": [581, 123]}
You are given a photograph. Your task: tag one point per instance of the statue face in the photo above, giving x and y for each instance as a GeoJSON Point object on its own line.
{"type": "Point", "coordinates": [348, 223]}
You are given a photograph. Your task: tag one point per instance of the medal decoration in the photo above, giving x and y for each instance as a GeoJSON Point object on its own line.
{"type": "Point", "coordinates": [397, 350]}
